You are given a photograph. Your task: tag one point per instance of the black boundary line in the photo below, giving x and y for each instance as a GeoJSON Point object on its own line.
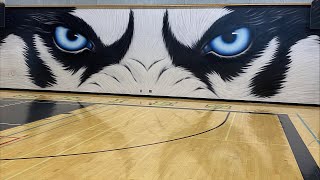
{"type": "Point", "coordinates": [165, 97]}
{"type": "Point", "coordinates": [124, 148]}
{"type": "Point", "coordinates": [307, 165]}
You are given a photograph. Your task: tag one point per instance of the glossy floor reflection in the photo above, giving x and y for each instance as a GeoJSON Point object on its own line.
{"type": "Point", "coordinates": [110, 137]}
{"type": "Point", "coordinates": [18, 112]}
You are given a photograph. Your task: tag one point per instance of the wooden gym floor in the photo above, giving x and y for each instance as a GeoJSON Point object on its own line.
{"type": "Point", "coordinates": [77, 136]}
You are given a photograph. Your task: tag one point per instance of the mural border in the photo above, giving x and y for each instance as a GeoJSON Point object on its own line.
{"type": "Point", "coordinates": [153, 6]}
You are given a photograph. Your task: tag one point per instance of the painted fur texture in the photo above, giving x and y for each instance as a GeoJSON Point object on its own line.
{"type": "Point", "coordinates": [256, 53]}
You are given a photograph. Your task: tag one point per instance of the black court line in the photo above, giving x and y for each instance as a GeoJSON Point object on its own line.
{"type": "Point", "coordinates": [164, 107]}
{"type": "Point", "coordinates": [170, 107]}
{"type": "Point", "coordinates": [119, 149]}
{"type": "Point", "coordinates": [187, 108]}
{"type": "Point", "coordinates": [118, 104]}
{"type": "Point", "coordinates": [308, 167]}
{"type": "Point", "coordinates": [157, 96]}
{"type": "Point", "coordinates": [89, 116]}
{"type": "Point", "coordinates": [306, 163]}
{"type": "Point", "coordinates": [31, 111]}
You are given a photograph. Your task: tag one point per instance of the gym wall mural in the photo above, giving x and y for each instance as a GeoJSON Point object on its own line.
{"type": "Point", "coordinates": [254, 53]}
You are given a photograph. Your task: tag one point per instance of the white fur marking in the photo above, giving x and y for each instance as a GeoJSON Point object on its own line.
{"type": "Point", "coordinates": [189, 25]}
{"type": "Point", "coordinates": [239, 87]}
{"type": "Point", "coordinates": [14, 70]}
{"type": "Point", "coordinates": [64, 79]}
{"type": "Point", "coordinates": [108, 24]}
{"type": "Point", "coordinates": [302, 84]}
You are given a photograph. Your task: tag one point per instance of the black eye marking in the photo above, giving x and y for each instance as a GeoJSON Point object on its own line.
{"type": "Point", "coordinates": [26, 22]}
{"type": "Point", "coordinates": [264, 23]}
{"type": "Point", "coordinates": [184, 56]}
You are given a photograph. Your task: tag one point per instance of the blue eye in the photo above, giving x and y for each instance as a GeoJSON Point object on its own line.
{"type": "Point", "coordinates": [230, 44]}
{"type": "Point", "coordinates": [70, 41]}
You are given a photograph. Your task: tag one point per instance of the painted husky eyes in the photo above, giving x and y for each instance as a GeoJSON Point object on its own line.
{"type": "Point", "coordinates": [70, 41]}
{"type": "Point", "coordinates": [230, 44]}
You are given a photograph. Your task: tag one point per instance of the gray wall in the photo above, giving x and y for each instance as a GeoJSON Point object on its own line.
{"type": "Point", "coordinates": [94, 2]}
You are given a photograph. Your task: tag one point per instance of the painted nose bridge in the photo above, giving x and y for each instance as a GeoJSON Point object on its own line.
{"type": "Point", "coordinates": [147, 45]}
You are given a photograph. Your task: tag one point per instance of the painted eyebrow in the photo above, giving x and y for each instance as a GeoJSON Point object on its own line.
{"type": "Point", "coordinates": [64, 18]}
{"type": "Point", "coordinates": [45, 22]}
{"type": "Point", "coordinates": [193, 23]}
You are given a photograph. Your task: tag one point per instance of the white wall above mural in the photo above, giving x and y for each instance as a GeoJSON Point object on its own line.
{"type": "Point", "coordinates": [255, 53]}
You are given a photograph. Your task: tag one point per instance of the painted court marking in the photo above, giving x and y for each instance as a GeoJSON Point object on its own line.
{"type": "Point", "coordinates": [168, 104]}
{"type": "Point", "coordinates": [7, 137]}
{"type": "Point", "coordinates": [9, 124]}
{"type": "Point", "coordinates": [309, 129]}
{"type": "Point", "coordinates": [12, 139]}
{"type": "Point", "coordinates": [118, 149]}
{"type": "Point", "coordinates": [189, 108]}
{"type": "Point", "coordinates": [70, 136]}
{"type": "Point", "coordinates": [228, 132]}
{"type": "Point", "coordinates": [47, 101]}
{"type": "Point", "coordinates": [14, 104]}
{"type": "Point", "coordinates": [162, 103]}
{"type": "Point", "coordinates": [67, 124]}
{"type": "Point", "coordinates": [307, 165]}
{"type": "Point", "coordinates": [219, 106]}
{"type": "Point", "coordinates": [305, 161]}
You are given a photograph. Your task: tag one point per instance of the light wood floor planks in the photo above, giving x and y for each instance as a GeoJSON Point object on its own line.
{"type": "Point", "coordinates": [166, 139]}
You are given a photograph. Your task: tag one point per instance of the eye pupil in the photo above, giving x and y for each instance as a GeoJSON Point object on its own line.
{"type": "Point", "coordinates": [229, 38]}
{"type": "Point", "coordinates": [71, 35]}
